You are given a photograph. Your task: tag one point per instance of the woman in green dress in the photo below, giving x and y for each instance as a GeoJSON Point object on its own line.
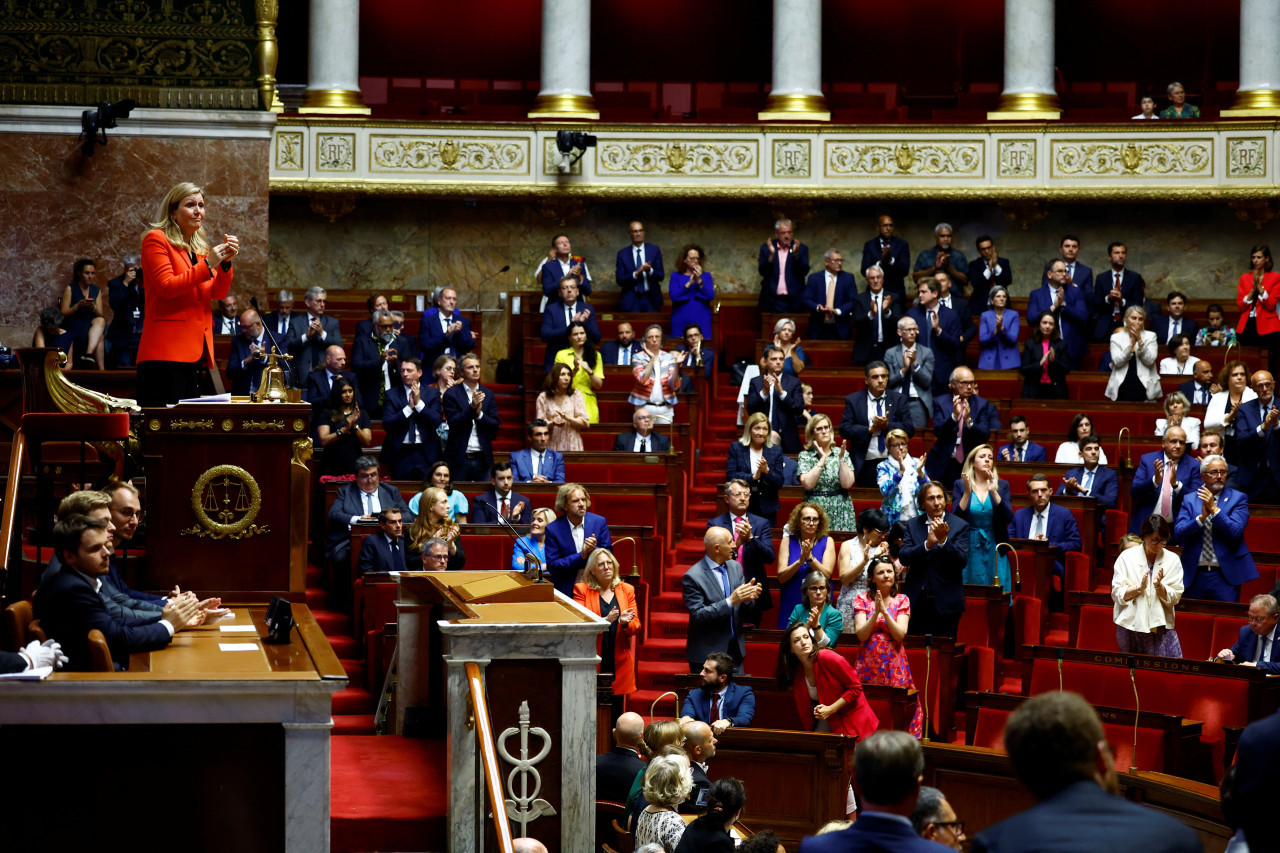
{"type": "Point", "coordinates": [826, 474]}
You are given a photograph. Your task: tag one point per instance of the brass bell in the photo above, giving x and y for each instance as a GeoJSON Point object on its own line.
{"type": "Point", "coordinates": [272, 386]}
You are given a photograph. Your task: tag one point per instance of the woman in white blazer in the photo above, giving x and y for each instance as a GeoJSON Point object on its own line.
{"type": "Point", "coordinates": [1134, 353]}
{"type": "Point", "coordinates": [1146, 586]}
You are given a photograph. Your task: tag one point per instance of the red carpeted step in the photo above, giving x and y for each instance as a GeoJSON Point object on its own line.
{"type": "Point", "coordinates": [316, 576]}
{"type": "Point", "coordinates": [668, 625]}
{"type": "Point", "coordinates": [667, 602]}
{"type": "Point", "coordinates": [346, 648]}
{"type": "Point", "coordinates": [353, 700]}
{"type": "Point", "coordinates": [658, 649]}
{"type": "Point", "coordinates": [353, 724]}
{"type": "Point", "coordinates": [317, 599]}
{"type": "Point", "coordinates": [332, 622]}
{"type": "Point", "coordinates": [355, 672]}
{"type": "Point", "coordinates": [661, 675]}
{"type": "Point", "coordinates": [368, 806]}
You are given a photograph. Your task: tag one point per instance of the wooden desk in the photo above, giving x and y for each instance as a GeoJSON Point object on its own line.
{"type": "Point", "coordinates": [229, 749]}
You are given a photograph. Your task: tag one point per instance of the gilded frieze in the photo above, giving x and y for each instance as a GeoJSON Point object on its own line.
{"type": "Point", "coordinates": [1092, 158]}
{"type": "Point", "coordinates": [289, 151]}
{"type": "Point", "coordinates": [450, 155]}
{"type": "Point", "coordinates": [692, 158]}
{"type": "Point", "coordinates": [850, 158]}
{"type": "Point", "coordinates": [1247, 157]}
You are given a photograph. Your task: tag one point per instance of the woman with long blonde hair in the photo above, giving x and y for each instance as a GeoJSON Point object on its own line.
{"type": "Point", "coordinates": [433, 523]}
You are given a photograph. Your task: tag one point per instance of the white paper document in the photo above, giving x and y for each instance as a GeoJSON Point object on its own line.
{"type": "Point", "coordinates": [40, 673]}
{"type": "Point", "coordinates": [237, 629]}
{"type": "Point", "coordinates": [238, 647]}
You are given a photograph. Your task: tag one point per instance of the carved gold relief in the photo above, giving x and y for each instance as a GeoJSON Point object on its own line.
{"type": "Point", "coordinates": [1247, 158]}
{"type": "Point", "coordinates": [225, 499]}
{"type": "Point", "coordinates": [1017, 158]}
{"type": "Point", "coordinates": [289, 151]}
{"type": "Point", "coordinates": [791, 158]}
{"type": "Point", "coordinates": [302, 450]}
{"type": "Point", "coordinates": [849, 158]}
{"type": "Point", "coordinates": [262, 424]}
{"type": "Point", "coordinates": [298, 425]}
{"type": "Point", "coordinates": [1124, 158]}
{"type": "Point", "coordinates": [504, 156]}
{"type": "Point", "coordinates": [691, 158]}
{"type": "Point", "coordinates": [335, 152]}
{"type": "Point", "coordinates": [181, 425]}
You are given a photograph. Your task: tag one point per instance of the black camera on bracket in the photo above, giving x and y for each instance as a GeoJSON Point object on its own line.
{"type": "Point", "coordinates": [569, 141]}
{"type": "Point", "coordinates": [97, 121]}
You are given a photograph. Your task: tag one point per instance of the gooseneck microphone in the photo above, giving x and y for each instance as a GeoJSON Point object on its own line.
{"type": "Point", "coordinates": [928, 665]}
{"type": "Point", "coordinates": [1060, 651]}
{"type": "Point", "coordinates": [533, 565]}
{"type": "Point", "coordinates": [1137, 712]}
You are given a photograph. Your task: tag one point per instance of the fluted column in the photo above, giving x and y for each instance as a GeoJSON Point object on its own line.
{"type": "Point", "coordinates": [333, 63]}
{"type": "Point", "coordinates": [797, 63]}
{"type": "Point", "coordinates": [1259, 92]}
{"type": "Point", "coordinates": [1029, 93]}
{"type": "Point", "coordinates": [566, 62]}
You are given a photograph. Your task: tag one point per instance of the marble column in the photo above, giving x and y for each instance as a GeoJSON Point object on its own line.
{"type": "Point", "coordinates": [797, 63]}
{"type": "Point", "coordinates": [566, 62]}
{"type": "Point", "coordinates": [1259, 92]}
{"type": "Point", "coordinates": [333, 61]}
{"type": "Point", "coordinates": [306, 786]}
{"type": "Point", "coordinates": [1029, 93]}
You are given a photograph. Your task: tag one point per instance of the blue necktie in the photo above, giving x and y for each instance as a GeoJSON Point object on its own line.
{"type": "Point", "coordinates": [724, 581]}
{"type": "Point", "coordinates": [880, 414]}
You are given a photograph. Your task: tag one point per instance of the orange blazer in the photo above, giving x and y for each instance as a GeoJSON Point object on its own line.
{"type": "Point", "coordinates": [624, 646]}
{"type": "Point", "coordinates": [1268, 322]}
{"type": "Point", "coordinates": [179, 297]}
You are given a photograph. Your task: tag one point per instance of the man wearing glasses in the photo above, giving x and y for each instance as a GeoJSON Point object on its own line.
{"type": "Point", "coordinates": [360, 501]}
{"type": "Point", "coordinates": [435, 555]}
{"type": "Point", "coordinates": [935, 820]}
{"type": "Point", "coordinates": [1210, 528]}
{"type": "Point", "coordinates": [1257, 643]}
{"type": "Point", "coordinates": [639, 273]}
{"type": "Point", "coordinates": [961, 421]}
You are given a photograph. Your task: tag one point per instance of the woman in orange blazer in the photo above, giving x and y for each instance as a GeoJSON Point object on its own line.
{"type": "Point", "coordinates": [183, 275]}
{"type": "Point", "coordinates": [604, 592]}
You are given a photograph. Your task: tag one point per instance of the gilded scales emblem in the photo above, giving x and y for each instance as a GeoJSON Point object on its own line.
{"type": "Point", "coordinates": [225, 499]}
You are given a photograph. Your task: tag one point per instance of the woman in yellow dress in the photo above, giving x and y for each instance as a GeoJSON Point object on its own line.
{"type": "Point", "coordinates": [587, 367]}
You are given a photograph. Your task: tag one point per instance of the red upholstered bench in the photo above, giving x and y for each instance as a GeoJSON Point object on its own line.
{"type": "Point", "coordinates": [387, 793]}
{"type": "Point", "coordinates": [989, 733]}
{"type": "Point", "coordinates": [1098, 629]}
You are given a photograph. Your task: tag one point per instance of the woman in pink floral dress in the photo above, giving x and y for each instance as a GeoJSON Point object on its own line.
{"type": "Point", "coordinates": [880, 621]}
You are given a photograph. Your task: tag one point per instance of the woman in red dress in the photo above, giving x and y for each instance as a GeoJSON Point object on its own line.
{"type": "Point", "coordinates": [1256, 297]}
{"type": "Point", "coordinates": [880, 618]}
{"type": "Point", "coordinates": [827, 690]}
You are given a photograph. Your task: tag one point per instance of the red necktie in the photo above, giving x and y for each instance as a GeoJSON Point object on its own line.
{"type": "Point", "coordinates": [506, 510]}
{"type": "Point", "coordinates": [1116, 310]}
{"type": "Point", "coordinates": [715, 709]}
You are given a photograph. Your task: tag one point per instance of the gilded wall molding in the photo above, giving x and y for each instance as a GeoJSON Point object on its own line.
{"type": "Point", "coordinates": [935, 159]}
{"type": "Point", "coordinates": [1122, 158]}
{"type": "Point", "coordinates": [684, 159]}
{"type": "Point", "coordinates": [426, 155]}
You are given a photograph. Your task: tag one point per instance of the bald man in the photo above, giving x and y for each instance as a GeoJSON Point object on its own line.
{"type": "Point", "coordinates": [248, 355]}
{"type": "Point", "coordinates": [616, 770]}
{"type": "Point", "coordinates": [715, 596]}
{"type": "Point", "coordinates": [320, 380]}
{"type": "Point", "coordinates": [700, 744]}
{"type": "Point", "coordinates": [528, 845]}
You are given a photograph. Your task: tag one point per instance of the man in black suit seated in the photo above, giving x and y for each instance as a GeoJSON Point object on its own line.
{"type": "Point", "coordinates": [988, 271]}
{"type": "Point", "coordinates": [700, 746]}
{"type": "Point", "coordinates": [642, 438]}
{"type": "Point", "coordinates": [502, 499]}
{"type": "Point", "coordinates": [411, 417]}
{"type": "Point", "coordinates": [1201, 386]}
{"type": "Point", "coordinates": [620, 352]}
{"type": "Point", "coordinates": [248, 355]}
{"type": "Point", "coordinates": [780, 397]}
{"type": "Point", "coordinates": [69, 604]}
{"type": "Point", "coordinates": [705, 357]}
{"type": "Point", "coordinates": [360, 501]}
{"type": "Point", "coordinates": [1256, 645]}
{"type": "Point", "coordinates": [385, 551]}
{"type": "Point", "coordinates": [752, 544]}
{"type": "Point", "coordinates": [1059, 751]}
{"type": "Point", "coordinates": [616, 769]}
{"type": "Point", "coordinates": [472, 413]}
{"type": "Point", "coordinates": [319, 382]}
{"type": "Point", "coordinates": [312, 332]}
{"type": "Point", "coordinates": [227, 320]}
{"type": "Point", "coordinates": [1092, 479]}
{"type": "Point", "coordinates": [869, 416]}
{"type": "Point", "coordinates": [935, 551]}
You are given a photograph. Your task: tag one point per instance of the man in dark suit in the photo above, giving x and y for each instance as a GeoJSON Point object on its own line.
{"type": "Point", "coordinates": [620, 352]}
{"type": "Point", "coordinates": [312, 333]}
{"type": "Point", "coordinates": [1077, 273]}
{"type": "Point", "coordinates": [319, 382]}
{"type": "Point", "coordinates": [639, 273]}
{"type": "Point", "coordinates": [502, 499]}
{"type": "Point", "coordinates": [706, 356]}
{"type": "Point", "coordinates": [1257, 643]}
{"type": "Point", "coordinates": [1115, 291]}
{"type": "Point", "coordinates": [385, 551]}
{"type": "Point", "coordinates": [227, 320]}
{"type": "Point", "coordinates": [1201, 386]}
{"type": "Point", "coordinates": [942, 257]}
{"type": "Point", "coordinates": [889, 767]}
{"type": "Point", "coordinates": [875, 319]}
{"type": "Point", "coordinates": [948, 297]}
{"type": "Point", "coordinates": [829, 295]}
{"type": "Point", "coordinates": [868, 417]}
{"type": "Point", "coordinates": [1255, 788]}
{"type": "Point", "coordinates": [891, 254]}
{"type": "Point", "coordinates": [616, 769]}
{"type": "Point", "coordinates": [443, 330]}
{"type": "Point", "coordinates": [779, 397]}
{"type": "Point", "coordinates": [280, 321]}
{"type": "Point", "coordinates": [911, 368]}
{"type": "Point", "coordinates": [572, 537]}
{"type": "Point", "coordinates": [248, 355]}
{"type": "Point", "coordinates": [1148, 480]}
{"type": "Point", "coordinates": [1258, 441]}
{"type": "Point", "coordinates": [935, 551]}
{"type": "Point", "coordinates": [940, 332]}
{"type": "Point", "coordinates": [988, 271]}
{"type": "Point", "coordinates": [127, 298]}
{"type": "Point", "coordinates": [783, 265]}
{"type": "Point", "coordinates": [537, 463]}
{"type": "Point", "coordinates": [376, 357]}
{"type": "Point", "coordinates": [1046, 522]}
{"type": "Point", "coordinates": [752, 544]}
{"type": "Point", "coordinates": [375, 303]}
{"type": "Point", "coordinates": [1092, 479]}
{"type": "Point", "coordinates": [719, 702]}
{"type": "Point", "coordinates": [411, 417]}
{"type": "Point", "coordinates": [1059, 752]}
{"type": "Point", "coordinates": [715, 594]}
{"type": "Point", "coordinates": [1067, 303]}
{"type": "Point", "coordinates": [1210, 529]}
{"type": "Point", "coordinates": [700, 746]}
{"type": "Point", "coordinates": [642, 438]}
{"type": "Point", "coordinates": [1212, 443]}
{"type": "Point", "coordinates": [360, 501]}
{"type": "Point", "coordinates": [934, 819]}
{"type": "Point", "coordinates": [1020, 447]}
{"type": "Point", "coordinates": [557, 316]}
{"type": "Point", "coordinates": [1173, 321]}
{"type": "Point", "coordinates": [472, 413]}
{"type": "Point", "coordinates": [961, 421]}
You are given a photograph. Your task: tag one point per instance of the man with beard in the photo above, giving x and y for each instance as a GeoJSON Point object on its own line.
{"type": "Point", "coordinates": [1210, 529]}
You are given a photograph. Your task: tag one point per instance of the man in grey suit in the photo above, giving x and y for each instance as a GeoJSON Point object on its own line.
{"type": "Point", "coordinates": [311, 333]}
{"type": "Point", "coordinates": [714, 594]}
{"type": "Point", "coordinates": [911, 372]}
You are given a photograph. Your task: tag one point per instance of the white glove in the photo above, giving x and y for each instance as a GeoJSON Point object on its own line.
{"type": "Point", "coordinates": [48, 653]}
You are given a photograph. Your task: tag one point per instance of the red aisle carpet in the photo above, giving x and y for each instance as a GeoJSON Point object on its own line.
{"type": "Point", "coordinates": [388, 793]}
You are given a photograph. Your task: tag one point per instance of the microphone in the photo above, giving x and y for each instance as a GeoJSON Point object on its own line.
{"type": "Point", "coordinates": [1132, 661]}
{"type": "Point", "coordinates": [1060, 653]}
{"type": "Point", "coordinates": [533, 565]}
{"type": "Point", "coordinates": [928, 665]}
{"type": "Point", "coordinates": [488, 279]}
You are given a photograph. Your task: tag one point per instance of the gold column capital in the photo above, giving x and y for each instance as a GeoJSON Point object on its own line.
{"type": "Point", "coordinates": [565, 107]}
{"type": "Point", "coordinates": [1254, 103]}
{"type": "Point", "coordinates": [1027, 106]}
{"type": "Point", "coordinates": [795, 108]}
{"type": "Point", "coordinates": [334, 102]}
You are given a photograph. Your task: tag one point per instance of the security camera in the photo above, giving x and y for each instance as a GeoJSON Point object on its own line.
{"type": "Point", "coordinates": [97, 121]}
{"type": "Point", "coordinates": [569, 141]}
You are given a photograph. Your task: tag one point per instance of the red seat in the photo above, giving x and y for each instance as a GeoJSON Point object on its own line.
{"type": "Point", "coordinates": [1098, 630]}
{"type": "Point", "coordinates": [1195, 635]}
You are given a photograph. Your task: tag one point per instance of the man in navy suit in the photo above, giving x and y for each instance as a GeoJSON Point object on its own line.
{"type": "Point", "coordinates": [227, 320]}
{"type": "Point", "coordinates": [375, 303]}
{"type": "Point", "coordinates": [869, 416]}
{"type": "Point", "coordinates": [935, 551]}
{"type": "Point", "coordinates": [940, 332]}
{"type": "Point", "coordinates": [705, 355]}
{"type": "Point", "coordinates": [783, 265]}
{"type": "Point", "coordinates": [642, 438]}
{"type": "Point", "coordinates": [472, 413]}
{"type": "Point", "coordinates": [1259, 441]}
{"type": "Point", "coordinates": [1257, 643]}
{"type": "Point", "coordinates": [752, 544]}
{"type": "Point", "coordinates": [248, 355]}
{"type": "Point", "coordinates": [876, 313]}
{"type": "Point", "coordinates": [1115, 291]}
{"type": "Point", "coordinates": [411, 417]}
{"type": "Point", "coordinates": [716, 594]}
{"type": "Point", "coordinates": [620, 352]}
{"type": "Point", "coordinates": [1077, 273]}
{"type": "Point", "coordinates": [1091, 479]}
{"type": "Point", "coordinates": [1210, 529]}
{"type": "Point", "coordinates": [376, 357]}
{"type": "Point", "coordinates": [640, 274]}
{"type": "Point", "coordinates": [1148, 480]}
{"type": "Point", "coordinates": [942, 257]}
{"type": "Point", "coordinates": [1173, 322]}
{"type": "Point", "coordinates": [779, 397]}
{"type": "Point", "coordinates": [1059, 752]}
{"type": "Point", "coordinates": [957, 303]}
{"type": "Point", "coordinates": [537, 463]}
{"type": "Point", "coordinates": [889, 767]}
{"type": "Point", "coordinates": [1020, 447]}
{"type": "Point", "coordinates": [961, 421]}
{"type": "Point", "coordinates": [572, 537]}
{"type": "Point", "coordinates": [280, 321]}
{"type": "Point", "coordinates": [1047, 523]}
{"type": "Point", "coordinates": [313, 332]}
{"type": "Point", "coordinates": [557, 316]}
{"type": "Point", "coordinates": [1201, 386]}
{"type": "Point", "coordinates": [1067, 303]}
{"type": "Point", "coordinates": [1212, 442]}
{"type": "Point", "coordinates": [891, 254]}
{"type": "Point", "coordinates": [360, 501]}
{"type": "Point", "coordinates": [935, 820]}
{"type": "Point", "coordinates": [719, 702]}
{"type": "Point", "coordinates": [320, 381]}
{"type": "Point", "coordinates": [829, 296]}
{"type": "Point", "coordinates": [385, 551]}
{"type": "Point", "coordinates": [988, 271]}
{"type": "Point", "coordinates": [502, 499]}
{"type": "Point", "coordinates": [443, 330]}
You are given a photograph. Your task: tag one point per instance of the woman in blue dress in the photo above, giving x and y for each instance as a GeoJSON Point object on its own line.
{"type": "Point", "coordinates": [805, 547]}
{"type": "Point", "coordinates": [535, 542]}
{"type": "Point", "coordinates": [691, 290]}
{"type": "Point", "coordinates": [83, 309]}
{"type": "Point", "coordinates": [998, 334]}
{"type": "Point", "coordinates": [982, 499]}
